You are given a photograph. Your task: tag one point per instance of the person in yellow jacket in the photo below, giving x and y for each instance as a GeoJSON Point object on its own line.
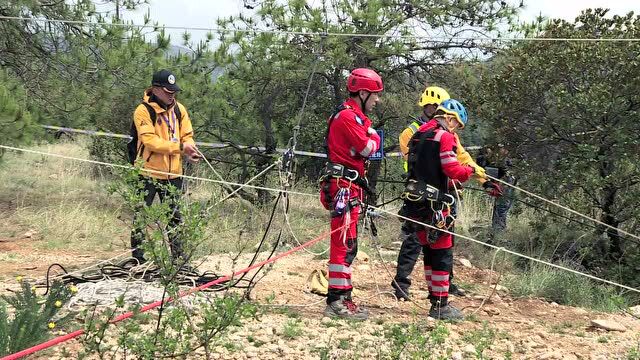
{"type": "Point", "coordinates": [162, 134]}
{"type": "Point", "coordinates": [411, 248]}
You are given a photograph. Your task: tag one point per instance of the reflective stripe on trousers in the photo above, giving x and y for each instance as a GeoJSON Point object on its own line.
{"type": "Point", "coordinates": [339, 276]}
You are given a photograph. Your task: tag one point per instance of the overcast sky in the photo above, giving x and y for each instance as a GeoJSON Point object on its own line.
{"type": "Point", "coordinates": [202, 13]}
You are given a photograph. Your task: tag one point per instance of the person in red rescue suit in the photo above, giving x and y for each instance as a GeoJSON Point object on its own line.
{"type": "Point", "coordinates": [433, 163]}
{"type": "Point", "coordinates": [349, 142]}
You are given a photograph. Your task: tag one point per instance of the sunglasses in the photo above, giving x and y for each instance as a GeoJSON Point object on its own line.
{"type": "Point", "coordinates": [168, 91]}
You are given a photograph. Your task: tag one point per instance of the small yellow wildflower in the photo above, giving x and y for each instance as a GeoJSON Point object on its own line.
{"type": "Point", "coordinates": [73, 289]}
{"type": "Point", "coordinates": [33, 289]}
{"type": "Point", "coordinates": [58, 303]}
{"type": "Point", "coordinates": [51, 325]}
{"type": "Point", "coordinates": [19, 278]}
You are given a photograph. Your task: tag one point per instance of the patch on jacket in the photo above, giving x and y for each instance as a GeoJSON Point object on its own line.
{"type": "Point", "coordinates": [359, 120]}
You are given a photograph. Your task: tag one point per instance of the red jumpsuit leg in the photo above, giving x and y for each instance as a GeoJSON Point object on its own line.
{"type": "Point", "coordinates": [438, 263]}
{"type": "Point", "coordinates": [342, 250]}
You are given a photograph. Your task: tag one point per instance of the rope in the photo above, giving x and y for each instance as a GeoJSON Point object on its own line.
{"type": "Point", "coordinates": [239, 187]}
{"type": "Point", "coordinates": [129, 167]}
{"type": "Point", "coordinates": [80, 271]}
{"type": "Point", "coordinates": [374, 243]}
{"type": "Point", "coordinates": [124, 316]}
{"type": "Point", "coordinates": [283, 32]}
{"type": "Point", "coordinates": [495, 287]}
{"type": "Point", "coordinates": [564, 207]}
{"type": "Point", "coordinates": [373, 207]}
{"type": "Point", "coordinates": [296, 129]}
{"type": "Point", "coordinates": [540, 208]}
{"type": "Point", "coordinates": [198, 143]}
{"type": "Point", "coordinates": [512, 252]}
{"type": "Point", "coordinates": [131, 270]}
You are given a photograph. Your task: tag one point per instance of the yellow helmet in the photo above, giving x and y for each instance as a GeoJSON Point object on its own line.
{"type": "Point", "coordinates": [433, 95]}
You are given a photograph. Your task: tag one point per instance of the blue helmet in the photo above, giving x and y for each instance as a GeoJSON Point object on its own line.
{"type": "Point", "coordinates": [454, 107]}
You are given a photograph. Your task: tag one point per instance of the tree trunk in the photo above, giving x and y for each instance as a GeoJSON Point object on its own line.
{"type": "Point", "coordinates": [607, 167]}
{"type": "Point", "coordinates": [266, 115]}
{"type": "Point", "coordinates": [609, 218]}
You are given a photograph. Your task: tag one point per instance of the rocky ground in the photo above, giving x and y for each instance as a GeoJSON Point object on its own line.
{"type": "Point", "coordinates": [503, 328]}
{"type": "Point", "coordinates": [291, 325]}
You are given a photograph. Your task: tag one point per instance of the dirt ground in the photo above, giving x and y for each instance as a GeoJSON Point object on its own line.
{"type": "Point", "coordinates": [522, 328]}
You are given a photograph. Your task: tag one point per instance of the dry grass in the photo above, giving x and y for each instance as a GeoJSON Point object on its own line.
{"type": "Point", "coordinates": [68, 206]}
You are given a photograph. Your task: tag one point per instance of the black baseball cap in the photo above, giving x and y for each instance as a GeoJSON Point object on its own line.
{"type": "Point", "coordinates": [165, 78]}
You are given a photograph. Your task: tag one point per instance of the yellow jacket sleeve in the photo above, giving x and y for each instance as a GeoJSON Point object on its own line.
{"type": "Point", "coordinates": [404, 138]}
{"type": "Point", "coordinates": [147, 134]}
{"type": "Point", "coordinates": [464, 158]}
{"type": "Point", "coordinates": [186, 129]}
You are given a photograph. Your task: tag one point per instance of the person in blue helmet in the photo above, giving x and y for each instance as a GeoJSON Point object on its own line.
{"type": "Point", "coordinates": [432, 165]}
{"type": "Point", "coordinates": [410, 248]}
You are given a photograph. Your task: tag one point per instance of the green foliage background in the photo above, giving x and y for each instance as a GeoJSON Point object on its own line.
{"type": "Point", "coordinates": [567, 111]}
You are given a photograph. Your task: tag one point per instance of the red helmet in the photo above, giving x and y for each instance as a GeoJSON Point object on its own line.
{"type": "Point", "coordinates": [364, 79]}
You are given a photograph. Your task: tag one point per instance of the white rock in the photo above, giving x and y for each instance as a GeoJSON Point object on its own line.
{"type": "Point", "coordinates": [457, 356]}
{"type": "Point", "coordinates": [491, 311]}
{"type": "Point", "coordinates": [263, 339]}
{"type": "Point", "coordinates": [550, 356]}
{"type": "Point", "coordinates": [635, 310]}
{"type": "Point", "coordinates": [469, 349]}
{"type": "Point", "coordinates": [464, 262]}
{"type": "Point", "coordinates": [580, 311]}
{"type": "Point", "coordinates": [608, 325]}
{"type": "Point", "coordinates": [511, 348]}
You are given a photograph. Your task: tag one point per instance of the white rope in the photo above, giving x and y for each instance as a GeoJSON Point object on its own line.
{"type": "Point", "coordinates": [283, 180]}
{"type": "Point", "coordinates": [283, 32]}
{"type": "Point", "coordinates": [246, 184]}
{"type": "Point", "coordinates": [249, 181]}
{"type": "Point", "coordinates": [314, 195]}
{"type": "Point", "coordinates": [152, 171]}
{"type": "Point", "coordinates": [512, 252]}
{"type": "Point", "coordinates": [564, 207]}
{"type": "Point", "coordinates": [199, 143]}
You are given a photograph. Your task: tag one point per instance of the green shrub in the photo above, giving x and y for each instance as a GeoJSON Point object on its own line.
{"type": "Point", "coordinates": [33, 317]}
{"type": "Point", "coordinates": [565, 288]}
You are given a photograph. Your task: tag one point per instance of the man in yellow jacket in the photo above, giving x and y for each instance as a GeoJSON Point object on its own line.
{"type": "Point", "coordinates": [162, 134]}
{"type": "Point", "coordinates": [411, 248]}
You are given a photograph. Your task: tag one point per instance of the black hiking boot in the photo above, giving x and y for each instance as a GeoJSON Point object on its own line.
{"type": "Point", "coordinates": [455, 290]}
{"type": "Point", "coordinates": [445, 312]}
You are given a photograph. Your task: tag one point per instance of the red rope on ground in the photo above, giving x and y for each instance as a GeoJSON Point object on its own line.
{"type": "Point", "coordinates": [69, 336]}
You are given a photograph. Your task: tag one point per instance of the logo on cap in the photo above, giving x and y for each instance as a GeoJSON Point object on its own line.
{"type": "Point", "coordinates": [171, 79]}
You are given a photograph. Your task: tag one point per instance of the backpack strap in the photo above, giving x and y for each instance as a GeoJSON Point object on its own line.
{"type": "Point", "coordinates": [176, 110]}
{"type": "Point", "coordinates": [338, 110]}
{"type": "Point", "coordinates": [415, 147]}
{"type": "Point", "coordinates": [152, 113]}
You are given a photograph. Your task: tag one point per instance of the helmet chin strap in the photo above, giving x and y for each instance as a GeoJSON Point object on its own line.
{"type": "Point", "coordinates": [444, 123]}
{"type": "Point", "coordinates": [363, 102]}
